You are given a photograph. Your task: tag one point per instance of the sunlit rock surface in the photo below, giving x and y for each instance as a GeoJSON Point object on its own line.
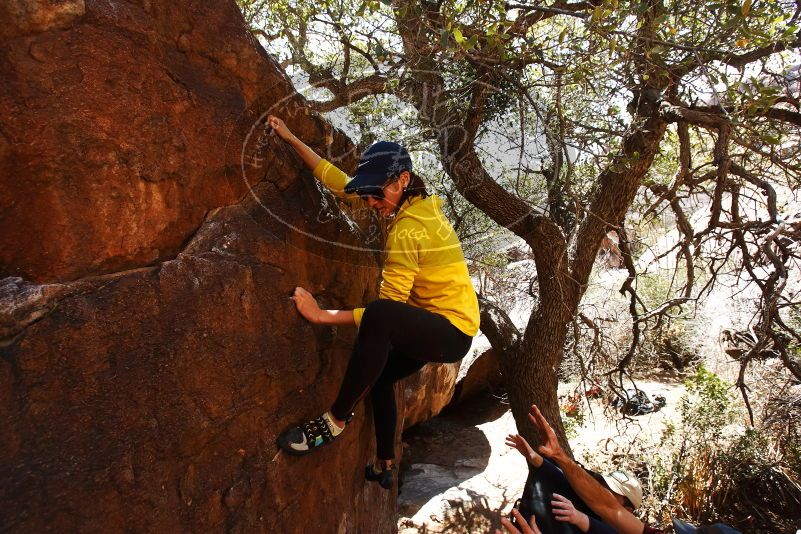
{"type": "Point", "coordinates": [427, 392]}
{"type": "Point", "coordinates": [122, 124]}
{"type": "Point", "coordinates": [151, 234]}
{"type": "Point", "coordinates": [478, 373]}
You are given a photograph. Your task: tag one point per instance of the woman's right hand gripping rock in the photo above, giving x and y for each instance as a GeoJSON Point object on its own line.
{"type": "Point", "coordinates": [280, 127]}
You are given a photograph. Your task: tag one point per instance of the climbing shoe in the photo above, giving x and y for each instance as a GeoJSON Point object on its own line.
{"type": "Point", "coordinates": [303, 439]}
{"type": "Point", "coordinates": [383, 475]}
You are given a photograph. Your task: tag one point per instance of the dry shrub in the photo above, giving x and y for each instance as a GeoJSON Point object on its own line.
{"type": "Point", "coordinates": [712, 469]}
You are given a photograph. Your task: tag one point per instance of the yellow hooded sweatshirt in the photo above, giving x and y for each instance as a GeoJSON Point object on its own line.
{"type": "Point", "coordinates": [424, 263]}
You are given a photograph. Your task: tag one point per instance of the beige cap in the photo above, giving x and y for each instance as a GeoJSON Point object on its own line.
{"type": "Point", "coordinates": [626, 484]}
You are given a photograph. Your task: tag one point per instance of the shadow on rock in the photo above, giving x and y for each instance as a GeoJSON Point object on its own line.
{"type": "Point", "coordinates": [442, 453]}
{"type": "Point", "coordinates": [468, 514]}
{"type": "Point", "coordinates": [483, 407]}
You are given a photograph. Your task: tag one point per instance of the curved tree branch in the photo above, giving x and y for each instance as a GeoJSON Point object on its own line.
{"type": "Point", "coordinates": [346, 94]}
{"type": "Point", "coordinates": [501, 332]}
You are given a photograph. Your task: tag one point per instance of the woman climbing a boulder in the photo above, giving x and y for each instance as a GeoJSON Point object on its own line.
{"type": "Point", "coordinates": [426, 310]}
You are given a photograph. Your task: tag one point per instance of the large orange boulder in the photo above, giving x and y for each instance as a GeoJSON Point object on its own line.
{"type": "Point", "coordinates": [478, 373]}
{"type": "Point", "coordinates": [121, 126]}
{"type": "Point", "coordinates": [151, 400]}
{"type": "Point", "coordinates": [151, 233]}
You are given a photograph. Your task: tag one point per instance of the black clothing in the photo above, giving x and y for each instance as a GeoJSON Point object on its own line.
{"type": "Point", "coordinates": [541, 484]}
{"type": "Point", "coordinates": [394, 340]}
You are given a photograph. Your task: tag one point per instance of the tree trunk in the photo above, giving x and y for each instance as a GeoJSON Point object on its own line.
{"type": "Point", "coordinates": [530, 365]}
{"type": "Point", "coordinates": [533, 379]}
{"type": "Point", "coordinates": [530, 362]}
{"type": "Point", "coordinates": [530, 376]}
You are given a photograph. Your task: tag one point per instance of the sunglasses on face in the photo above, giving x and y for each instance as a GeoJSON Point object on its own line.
{"type": "Point", "coordinates": [375, 192]}
{"type": "Point", "coordinates": [378, 194]}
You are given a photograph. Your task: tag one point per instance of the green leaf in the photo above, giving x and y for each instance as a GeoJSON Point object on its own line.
{"type": "Point", "coordinates": [770, 139]}
{"type": "Point", "coordinates": [746, 9]}
{"type": "Point", "coordinates": [457, 34]}
{"type": "Point", "coordinates": [443, 38]}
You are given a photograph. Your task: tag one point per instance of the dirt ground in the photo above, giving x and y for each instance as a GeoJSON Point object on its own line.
{"type": "Point", "coordinates": [458, 475]}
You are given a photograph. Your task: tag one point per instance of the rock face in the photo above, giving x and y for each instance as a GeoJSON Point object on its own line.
{"type": "Point", "coordinates": [150, 235]}
{"type": "Point", "coordinates": [122, 126]}
{"type": "Point", "coordinates": [426, 393]}
{"type": "Point", "coordinates": [478, 373]}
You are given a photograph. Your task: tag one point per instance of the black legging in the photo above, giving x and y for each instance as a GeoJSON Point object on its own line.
{"type": "Point", "coordinates": [394, 340]}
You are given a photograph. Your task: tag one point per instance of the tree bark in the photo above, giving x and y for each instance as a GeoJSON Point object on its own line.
{"type": "Point", "coordinates": [530, 370]}
{"type": "Point", "coordinates": [531, 376]}
{"type": "Point", "coordinates": [530, 363]}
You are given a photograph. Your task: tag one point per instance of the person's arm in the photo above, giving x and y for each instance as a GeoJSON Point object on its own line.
{"type": "Point", "coordinates": [599, 527]}
{"type": "Point", "coordinates": [396, 284]}
{"type": "Point", "coordinates": [325, 171]}
{"type": "Point", "coordinates": [518, 442]}
{"type": "Point", "coordinates": [309, 156]}
{"type": "Point", "coordinates": [563, 510]}
{"type": "Point", "coordinates": [310, 310]}
{"type": "Point", "coordinates": [524, 528]}
{"type": "Point", "coordinates": [599, 499]}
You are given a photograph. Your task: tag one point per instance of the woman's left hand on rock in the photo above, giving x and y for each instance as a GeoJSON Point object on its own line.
{"type": "Point", "coordinates": [306, 305]}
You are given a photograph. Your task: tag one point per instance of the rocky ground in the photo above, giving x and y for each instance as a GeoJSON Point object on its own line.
{"type": "Point", "coordinates": [458, 473]}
